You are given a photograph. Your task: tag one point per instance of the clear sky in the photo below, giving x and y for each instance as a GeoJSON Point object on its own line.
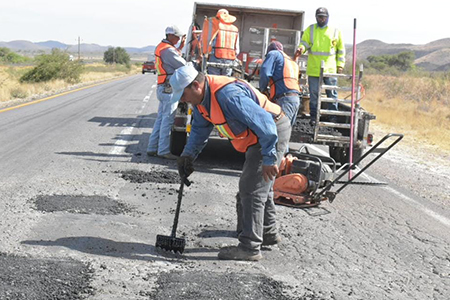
{"type": "Point", "coordinates": [139, 23]}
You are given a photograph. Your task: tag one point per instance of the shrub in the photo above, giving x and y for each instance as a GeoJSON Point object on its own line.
{"type": "Point", "coordinates": [8, 56]}
{"type": "Point", "coordinates": [56, 65]}
{"type": "Point", "coordinates": [117, 55]}
{"type": "Point", "coordinates": [18, 93]}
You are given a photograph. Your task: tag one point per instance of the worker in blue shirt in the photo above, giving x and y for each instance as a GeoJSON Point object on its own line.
{"type": "Point", "coordinates": [279, 79]}
{"type": "Point", "coordinates": [255, 126]}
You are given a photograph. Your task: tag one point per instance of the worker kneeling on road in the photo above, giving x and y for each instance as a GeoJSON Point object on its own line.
{"type": "Point", "coordinates": [255, 126]}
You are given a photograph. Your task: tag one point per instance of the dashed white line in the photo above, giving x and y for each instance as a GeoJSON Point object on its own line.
{"type": "Point", "coordinates": [120, 144]}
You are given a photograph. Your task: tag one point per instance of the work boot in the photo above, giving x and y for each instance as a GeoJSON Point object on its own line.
{"type": "Point", "coordinates": [151, 153]}
{"type": "Point", "coordinates": [169, 156]}
{"type": "Point", "coordinates": [237, 253]}
{"type": "Point", "coordinates": [271, 239]}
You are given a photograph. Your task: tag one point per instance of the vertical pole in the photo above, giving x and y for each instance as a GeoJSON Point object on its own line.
{"type": "Point", "coordinates": [78, 48]}
{"type": "Point", "coordinates": [352, 117]}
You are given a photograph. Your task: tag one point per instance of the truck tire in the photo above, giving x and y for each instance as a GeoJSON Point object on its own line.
{"type": "Point", "coordinates": [341, 154]}
{"type": "Point", "coordinates": [177, 142]}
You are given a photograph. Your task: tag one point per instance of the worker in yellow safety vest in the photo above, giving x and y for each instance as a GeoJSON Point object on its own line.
{"type": "Point", "coordinates": [323, 43]}
{"type": "Point", "coordinates": [220, 42]}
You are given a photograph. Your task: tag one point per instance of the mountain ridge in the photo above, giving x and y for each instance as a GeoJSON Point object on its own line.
{"type": "Point", "coordinates": [433, 56]}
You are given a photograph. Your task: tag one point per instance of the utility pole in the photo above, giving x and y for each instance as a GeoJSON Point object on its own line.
{"type": "Point", "coordinates": [78, 48]}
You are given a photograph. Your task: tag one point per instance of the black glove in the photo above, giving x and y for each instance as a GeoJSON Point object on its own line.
{"type": "Point", "coordinates": [185, 166]}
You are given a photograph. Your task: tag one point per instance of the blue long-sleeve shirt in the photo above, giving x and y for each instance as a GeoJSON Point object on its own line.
{"type": "Point", "coordinates": [241, 109]}
{"type": "Point", "coordinates": [273, 67]}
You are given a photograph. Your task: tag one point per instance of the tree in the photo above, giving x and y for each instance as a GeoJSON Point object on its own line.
{"type": "Point", "coordinates": [116, 55]}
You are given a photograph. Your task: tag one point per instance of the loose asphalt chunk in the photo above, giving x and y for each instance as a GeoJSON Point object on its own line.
{"type": "Point", "coordinates": [41, 279]}
{"type": "Point", "coordinates": [213, 285]}
{"type": "Point", "coordinates": [100, 205]}
{"type": "Point", "coordinates": [157, 176]}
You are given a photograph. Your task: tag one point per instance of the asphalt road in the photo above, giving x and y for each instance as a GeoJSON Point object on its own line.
{"type": "Point", "coordinates": [72, 226]}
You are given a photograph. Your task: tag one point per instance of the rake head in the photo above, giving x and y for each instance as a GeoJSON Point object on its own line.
{"type": "Point", "coordinates": [170, 243]}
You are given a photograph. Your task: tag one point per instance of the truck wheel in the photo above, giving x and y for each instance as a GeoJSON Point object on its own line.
{"type": "Point", "coordinates": [341, 155]}
{"type": "Point", "coordinates": [177, 142]}
{"type": "Point", "coordinates": [338, 154]}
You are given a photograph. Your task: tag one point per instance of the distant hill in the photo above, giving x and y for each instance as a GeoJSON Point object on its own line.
{"type": "Point", "coordinates": [47, 46]}
{"type": "Point", "coordinates": [434, 56]}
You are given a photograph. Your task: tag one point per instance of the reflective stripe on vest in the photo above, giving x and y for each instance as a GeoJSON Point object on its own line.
{"type": "Point", "coordinates": [162, 74]}
{"type": "Point", "coordinates": [290, 76]}
{"type": "Point", "coordinates": [210, 28]}
{"type": "Point", "coordinates": [226, 41]}
{"type": "Point", "coordinates": [247, 138]}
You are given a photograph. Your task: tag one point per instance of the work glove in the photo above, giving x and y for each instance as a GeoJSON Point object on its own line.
{"type": "Point", "coordinates": [185, 166]}
{"type": "Point", "coordinates": [340, 70]}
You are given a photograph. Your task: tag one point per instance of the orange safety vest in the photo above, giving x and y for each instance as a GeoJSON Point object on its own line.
{"type": "Point", "coordinates": [290, 76]}
{"type": "Point", "coordinates": [247, 138]}
{"type": "Point", "coordinates": [162, 74]}
{"type": "Point", "coordinates": [226, 36]}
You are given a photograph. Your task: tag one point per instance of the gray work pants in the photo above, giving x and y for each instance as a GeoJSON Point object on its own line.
{"type": "Point", "coordinates": [256, 209]}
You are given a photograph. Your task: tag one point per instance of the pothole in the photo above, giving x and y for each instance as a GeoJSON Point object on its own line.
{"type": "Point", "coordinates": [212, 285]}
{"type": "Point", "coordinates": [157, 176]}
{"type": "Point", "coordinates": [100, 205]}
{"type": "Point", "coordinates": [37, 279]}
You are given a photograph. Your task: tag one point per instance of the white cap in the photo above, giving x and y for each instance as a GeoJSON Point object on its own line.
{"type": "Point", "coordinates": [174, 30]}
{"type": "Point", "coordinates": [181, 78]}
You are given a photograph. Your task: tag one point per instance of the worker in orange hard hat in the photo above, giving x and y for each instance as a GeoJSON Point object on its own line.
{"type": "Point", "coordinates": [220, 40]}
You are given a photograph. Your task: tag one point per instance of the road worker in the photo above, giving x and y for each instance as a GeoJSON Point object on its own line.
{"type": "Point", "coordinates": [279, 74]}
{"type": "Point", "coordinates": [167, 59]}
{"type": "Point", "coordinates": [220, 41]}
{"type": "Point", "coordinates": [255, 126]}
{"type": "Point", "coordinates": [325, 43]}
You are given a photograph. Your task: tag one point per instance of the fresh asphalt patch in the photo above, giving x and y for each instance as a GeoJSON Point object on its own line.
{"type": "Point", "coordinates": [100, 205]}
{"type": "Point", "coordinates": [157, 176]}
{"type": "Point", "coordinates": [201, 285]}
{"type": "Point", "coordinates": [38, 279]}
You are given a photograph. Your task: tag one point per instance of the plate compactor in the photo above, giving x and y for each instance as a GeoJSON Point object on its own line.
{"type": "Point", "coordinates": [305, 180]}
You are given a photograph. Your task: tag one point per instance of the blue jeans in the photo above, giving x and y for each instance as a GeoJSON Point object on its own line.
{"type": "Point", "coordinates": [256, 209]}
{"type": "Point", "coordinates": [219, 71]}
{"type": "Point", "coordinates": [289, 105]}
{"type": "Point", "coordinates": [313, 83]}
{"type": "Point", "coordinates": [160, 139]}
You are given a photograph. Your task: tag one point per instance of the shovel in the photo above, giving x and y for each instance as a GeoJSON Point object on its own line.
{"type": "Point", "coordinates": [172, 243]}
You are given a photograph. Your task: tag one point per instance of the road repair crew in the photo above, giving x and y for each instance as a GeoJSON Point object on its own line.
{"type": "Point", "coordinates": [322, 43]}
{"type": "Point", "coordinates": [220, 41]}
{"type": "Point", "coordinates": [255, 126]}
{"type": "Point", "coordinates": [279, 74]}
{"type": "Point", "coordinates": [167, 59]}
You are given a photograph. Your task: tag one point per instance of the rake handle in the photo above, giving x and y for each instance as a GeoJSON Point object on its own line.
{"type": "Point", "coordinates": [184, 181]}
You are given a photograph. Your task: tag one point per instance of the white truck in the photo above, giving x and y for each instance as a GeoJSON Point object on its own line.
{"type": "Point", "coordinates": [257, 28]}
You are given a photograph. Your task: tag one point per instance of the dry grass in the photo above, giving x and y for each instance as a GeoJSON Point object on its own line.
{"type": "Point", "coordinates": [11, 88]}
{"type": "Point", "coordinates": [417, 107]}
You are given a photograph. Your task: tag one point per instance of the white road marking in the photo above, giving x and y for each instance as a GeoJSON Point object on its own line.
{"type": "Point", "coordinates": [120, 144]}
{"type": "Point", "coordinates": [421, 207]}
{"type": "Point", "coordinates": [416, 204]}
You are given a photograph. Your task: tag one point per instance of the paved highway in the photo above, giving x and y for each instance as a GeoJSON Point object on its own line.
{"type": "Point", "coordinates": [72, 225]}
